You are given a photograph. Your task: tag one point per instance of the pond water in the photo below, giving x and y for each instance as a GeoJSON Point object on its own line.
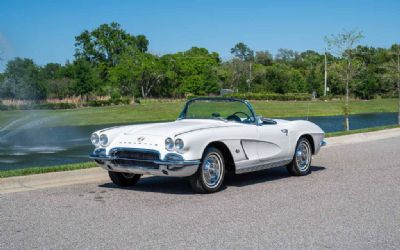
{"type": "Point", "coordinates": [37, 146]}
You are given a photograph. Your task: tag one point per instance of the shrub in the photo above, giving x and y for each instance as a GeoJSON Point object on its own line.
{"type": "Point", "coordinates": [272, 96]}
{"type": "Point", "coordinates": [48, 105]}
{"type": "Point", "coordinates": [99, 103]}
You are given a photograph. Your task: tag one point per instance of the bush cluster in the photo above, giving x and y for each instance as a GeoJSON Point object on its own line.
{"type": "Point", "coordinates": [112, 101]}
{"type": "Point", "coordinates": [35, 106]}
{"type": "Point", "coordinates": [272, 96]}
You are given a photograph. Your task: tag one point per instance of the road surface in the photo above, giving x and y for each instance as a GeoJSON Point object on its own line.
{"type": "Point", "coordinates": [351, 200]}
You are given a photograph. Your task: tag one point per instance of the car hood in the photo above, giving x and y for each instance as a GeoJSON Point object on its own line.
{"type": "Point", "coordinates": [177, 127]}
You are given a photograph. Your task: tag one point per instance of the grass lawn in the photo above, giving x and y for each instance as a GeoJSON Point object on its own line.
{"type": "Point", "coordinates": [164, 111]}
{"type": "Point", "coordinates": [42, 170]}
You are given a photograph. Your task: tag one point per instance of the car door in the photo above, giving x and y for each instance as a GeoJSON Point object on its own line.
{"type": "Point", "coordinates": [273, 141]}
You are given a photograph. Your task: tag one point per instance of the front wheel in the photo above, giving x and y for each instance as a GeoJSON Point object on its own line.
{"type": "Point", "coordinates": [302, 158]}
{"type": "Point", "coordinates": [123, 179]}
{"type": "Point", "coordinates": [210, 175]}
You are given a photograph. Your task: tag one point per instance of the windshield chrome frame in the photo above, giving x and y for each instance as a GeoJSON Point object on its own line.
{"type": "Point", "coordinates": [182, 115]}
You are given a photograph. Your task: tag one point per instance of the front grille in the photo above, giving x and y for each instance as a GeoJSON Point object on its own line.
{"type": "Point", "coordinates": [136, 154]}
{"type": "Point", "coordinates": [143, 164]}
{"type": "Point", "coordinates": [136, 157]}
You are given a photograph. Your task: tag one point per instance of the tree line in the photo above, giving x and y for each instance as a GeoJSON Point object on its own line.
{"type": "Point", "coordinates": [108, 61]}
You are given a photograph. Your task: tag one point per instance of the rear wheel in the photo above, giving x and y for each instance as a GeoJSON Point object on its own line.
{"type": "Point", "coordinates": [123, 179]}
{"type": "Point", "coordinates": [210, 175]}
{"type": "Point", "coordinates": [302, 158]}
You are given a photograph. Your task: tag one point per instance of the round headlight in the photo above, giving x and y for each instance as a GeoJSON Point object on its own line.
{"type": "Point", "coordinates": [95, 139]}
{"type": "Point", "coordinates": [103, 140]}
{"type": "Point", "coordinates": [169, 144]}
{"type": "Point", "coordinates": [179, 144]}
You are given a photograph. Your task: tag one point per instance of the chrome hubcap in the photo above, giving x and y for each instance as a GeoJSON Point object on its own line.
{"type": "Point", "coordinates": [212, 170]}
{"type": "Point", "coordinates": [303, 156]}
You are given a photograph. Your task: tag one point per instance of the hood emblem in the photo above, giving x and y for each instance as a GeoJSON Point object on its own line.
{"type": "Point", "coordinates": [140, 139]}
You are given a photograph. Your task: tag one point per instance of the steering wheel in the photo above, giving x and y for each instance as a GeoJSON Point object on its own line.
{"type": "Point", "coordinates": [237, 118]}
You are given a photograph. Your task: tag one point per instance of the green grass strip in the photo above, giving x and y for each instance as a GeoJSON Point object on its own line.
{"type": "Point", "coordinates": [41, 170]}
{"type": "Point", "coordinates": [357, 131]}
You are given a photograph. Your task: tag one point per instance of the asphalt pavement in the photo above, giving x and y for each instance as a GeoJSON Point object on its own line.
{"type": "Point", "coordinates": [351, 200]}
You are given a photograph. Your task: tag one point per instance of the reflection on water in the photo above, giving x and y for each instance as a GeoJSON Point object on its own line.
{"type": "Point", "coordinates": [28, 145]}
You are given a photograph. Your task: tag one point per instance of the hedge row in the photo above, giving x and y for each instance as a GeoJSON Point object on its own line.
{"type": "Point", "coordinates": [266, 96]}
{"type": "Point", "coordinates": [99, 103]}
{"type": "Point", "coordinates": [62, 105]}
{"type": "Point", "coordinates": [272, 96]}
{"type": "Point", "coordinates": [38, 106]}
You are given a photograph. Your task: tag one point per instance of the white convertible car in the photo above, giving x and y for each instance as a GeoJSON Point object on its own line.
{"type": "Point", "coordinates": [210, 137]}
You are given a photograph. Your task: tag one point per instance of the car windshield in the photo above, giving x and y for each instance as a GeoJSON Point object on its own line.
{"type": "Point", "coordinates": [221, 109]}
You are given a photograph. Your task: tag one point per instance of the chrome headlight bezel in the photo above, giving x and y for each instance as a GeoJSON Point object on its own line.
{"type": "Point", "coordinates": [169, 144]}
{"type": "Point", "coordinates": [179, 145]}
{"type": "Point", "coordinates": [103, 140]}
{"type": "Point", "coordinates": [95, 139]}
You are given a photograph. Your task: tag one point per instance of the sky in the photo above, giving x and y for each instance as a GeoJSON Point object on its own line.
{"type": "Point", "coordinates": [44, 30]}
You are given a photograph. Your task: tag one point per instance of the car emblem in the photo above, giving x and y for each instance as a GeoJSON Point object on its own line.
{"type": "Point", "coordinates": [140, 139]}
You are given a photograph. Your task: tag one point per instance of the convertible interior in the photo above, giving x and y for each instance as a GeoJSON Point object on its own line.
{"type": "Point", "coordinates": [236, 117]}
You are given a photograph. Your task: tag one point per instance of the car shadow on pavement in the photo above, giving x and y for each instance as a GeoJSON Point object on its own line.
{"type": "Point", "coordinates": [174, 185]}
{"type": "Point", "coordinates": [267, 175]}
{"type": "Point", "coordinates": [156, 184]}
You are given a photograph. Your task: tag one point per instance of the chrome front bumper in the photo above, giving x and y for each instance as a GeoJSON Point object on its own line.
{"type": "Point", "coordinates": [177, 168]}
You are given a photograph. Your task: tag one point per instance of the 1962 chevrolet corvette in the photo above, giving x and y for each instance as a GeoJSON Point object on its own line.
{"type": "Point", "coordinates": [210, 137]}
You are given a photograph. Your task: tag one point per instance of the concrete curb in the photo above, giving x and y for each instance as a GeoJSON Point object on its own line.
{"type": "Point", "coordinates": [363, 137]}
{"type": "Point", "coordinates": [57, 179]}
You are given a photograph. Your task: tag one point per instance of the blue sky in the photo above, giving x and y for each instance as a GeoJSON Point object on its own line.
{"type": "Point", "coordinates": [45, 30]}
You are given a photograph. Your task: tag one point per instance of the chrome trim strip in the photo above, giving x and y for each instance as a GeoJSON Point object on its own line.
{"type": "Point", "coordinates": [159, 162]}
{"type": "Point", "coordinates": [162, 170]}
{"type": "Point", "coordinates": [263, 166]}
{"type": "Point", "coordinates": [244, 151]}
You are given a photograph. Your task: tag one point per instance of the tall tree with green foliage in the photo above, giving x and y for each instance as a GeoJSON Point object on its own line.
{"type": "Point", "coordinates": [343, 45]}
{"type": "Point", "coordinates": [196, 71]}
{"type": "Point", "coordinates": [22, 80]}
{"type": "Point", "coordinates": [104, 45]}
{"type": "Point", "coordinates": [85, 78]}
{"type": "Point", "coordinates": [264, 57]}
{"type": "Point", "coordinates": [244, 53]}
{"type": "Point", "coordinates": [57, 79]}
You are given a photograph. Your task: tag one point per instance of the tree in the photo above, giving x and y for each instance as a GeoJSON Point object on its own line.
{"type": "Point", "coordinates": [281, 78]}
{"type": "Point", "coordinates": [22, 80]}
{"type": "Point", "coordinates": [105, 44]}
{"type": "Point", "coordinates": [311, 66]}
{"type": "Point", "coordinates": [137, 73]}
{"type": "Point", "coordinates": [57, 79]}
{"type": "Point", "coordinates": [243, 52]}
{"type": "Point", "coordinates": [392, 71]}
{"type": "Point", "coordinates": [149, 73]}
{"type": "Point", "coordinates": [286, 55]}
{"type": "Point", "coordinates": [85, 78]}
{"type": "Point", "coordinates": [196, 71]}
{"type": "Point", "coordinates": [233, 74]}
{"type": "Point", "coordinates": [263, 57]}
{"type": "Point", "coordinates": [343, 45]}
